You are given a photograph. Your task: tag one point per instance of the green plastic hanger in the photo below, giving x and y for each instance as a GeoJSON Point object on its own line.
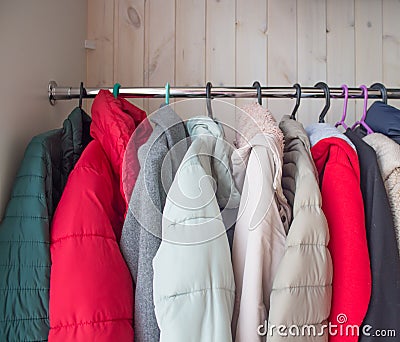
{"type": "Point", "coordinates": [167, 89]}
{"type": "Point", "coordinates": [116, 89]}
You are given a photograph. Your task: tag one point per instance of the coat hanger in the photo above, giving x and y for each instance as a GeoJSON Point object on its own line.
{"type": "Point", "coordinates": [346, 100]}
{"type": "Point", "coordinates": [167, 93]}
{"type": "Point", "coordinates": [208, 95]}
{"type": "Point", "coordinates": [362, 121]}
{"type": "Point", "coordinates": [382, 89]}
{"type": "Point", "coordinates": [257, 85]}
{"type": "Point", "coordinates": [325, 88]}
{"type": "Point", "coordinates": [298, 97]}
{"type": "Point", "coordinates": [82, 93]}
{"type": "Point", "coordinates": [116, 89]}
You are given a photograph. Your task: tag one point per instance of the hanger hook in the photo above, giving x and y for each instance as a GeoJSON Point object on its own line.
{"type": "Point", "coordinates": [345, 93]}
{"type": "Point", "coordinates": [382, 89]}
{"type": "Point", "coordinates": [325, 88]}
{"type": "Point", "coordinates": [362, 120]}
{"type": "Point", "coordinates": [82, 94]}
{"type": "Point", "coordinates": [365, 93]}
{"type": "Point", "coordinates": [257, 85]}
{"type": "Point", "coordinates": [116, 89]}
{"type": "Point", "coordinates": [298, 97]}
{"type": "Point", "coordinates": [208, 95]}
{"type": "Point", "coordinates": [167, 93]}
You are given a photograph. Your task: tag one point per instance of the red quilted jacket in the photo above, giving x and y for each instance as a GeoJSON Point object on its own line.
{"type": "Point", "coordinates": [91, 295]}
{"type": "Point", "coordinates": [342, 203]}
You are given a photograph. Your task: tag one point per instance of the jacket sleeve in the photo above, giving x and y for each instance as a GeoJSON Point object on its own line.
{"type": "Point", "coordinates": [344, 209]}
{"type": "Point", "coordinates": [91, 295]}
{"type": "Point", "coordinates": [24, 250]}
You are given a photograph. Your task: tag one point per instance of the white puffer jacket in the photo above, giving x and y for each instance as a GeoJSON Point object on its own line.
{"type": "Point", "coordinates": [194, 288]}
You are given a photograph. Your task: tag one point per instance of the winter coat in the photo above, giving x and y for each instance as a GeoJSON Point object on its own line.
{"type": "Point", "coordinates": [25, 229]}
{"type": "Point", "coordinates": [159, 160]}
{"type": "Point", "coordinates": [385, 119]}
{"type": "Point", "coordinates": [302, 288]}
{"type": "Point", "coordinates": [91, 295]}
{"type": "Point", "coordinates": [194, 287]}
{"type": "Point", "coordinates": [388, 156]}
{"type": "Point", "coordinates": [263, 219]}
{"type": "Point", "coordinates": [342, 203]}
{"type": "Point", "coordinates": [384, 307]}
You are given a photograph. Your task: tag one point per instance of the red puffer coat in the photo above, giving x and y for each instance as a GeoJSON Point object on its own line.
{"type": "Point", "coordinates": [91, 295]}
{"type": "Point", "coordinates": [342, 203]}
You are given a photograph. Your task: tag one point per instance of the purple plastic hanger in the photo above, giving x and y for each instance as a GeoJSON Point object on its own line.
{"type": "Point", "coordinates": [346, 100]}
{"type": "Point", "coordinates": [362, 121]}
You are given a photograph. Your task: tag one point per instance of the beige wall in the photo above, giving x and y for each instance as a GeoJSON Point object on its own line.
{"type": "Point", "coordinates": [39, 40]}
{"type": "Point", "coordinates": [235, 42]}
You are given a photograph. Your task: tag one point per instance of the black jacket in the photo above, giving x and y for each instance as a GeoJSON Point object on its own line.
{"type": "Point", "coordinates": [384, 307]}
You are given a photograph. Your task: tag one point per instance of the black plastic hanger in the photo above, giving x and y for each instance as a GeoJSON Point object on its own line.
{"type": "Point", "coordinates": [298, 97]}
{"type": "Point", "coordinates": [82, 93]}
{"type": "Point", "coordinates": [208, 94]}
{"type": "Point", "coordinates": [325, 88]}
{"type": "Point", "coordinates": [257, 85]}
{"type": "Point", "coordinates": [382, 89]}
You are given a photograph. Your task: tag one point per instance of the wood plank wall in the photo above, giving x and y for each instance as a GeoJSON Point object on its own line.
{"type": "Point", "coordinates": [235, 42]}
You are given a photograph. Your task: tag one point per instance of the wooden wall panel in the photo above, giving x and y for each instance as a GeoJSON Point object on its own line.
{"type": "Point", "coordinates": [251, 35]}
{"type": "Point", "coordinates": [340, 54]}
{"type": "Point", "coordinates": [129, 44]}
{"type": "Point", "coordinates": [391, 45]}
{"type": "Point", "coordinates": [100, 62]}
{"type": "Point", "coordinates": [159, 46]}
{"type": "Point", "coordinates": [190, 53]}
{"type": "Point", "coordinates": [220, 56]}
{"type": "Point", "coordinates": [235, 42]}
{"type": "Point", "coordinates": [311, 35]}
{"type": "Point", "coordinates": [282, 51]}
{"type": "Point", "coordinates": [251, 21]}
{"type": "Point", "coordinates": [368, 19]}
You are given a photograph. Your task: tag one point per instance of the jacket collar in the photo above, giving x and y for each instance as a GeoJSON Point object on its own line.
{"type": "Point", "coordinates": [240, 159]}
{"type": "Point", "coordinates": [213, 152]}
{"type": "Point", "coordinates": [294, 130]}
{"type": "Point", "coordinates": [257, 127]}
{"type": "Point", "coordinates": [319, 131]}
{"type": "Point", "coordinates": [169, 123]}
{"type": "Point", "coordinates": [254, 119]}
{"type": "Point", "coordinates": [75, 137]}
{"type": "Point", "coordinates": [383, 118]}
{"type": "Point", "coordinates": [113, 122]}
{"type": "Point", "coordinates": [321, 153]}
{"type": "Point", "coordinates": [387, 151]}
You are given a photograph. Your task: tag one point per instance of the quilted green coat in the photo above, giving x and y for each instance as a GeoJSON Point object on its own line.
{"type": "Point", "coordinates": [24, 232]}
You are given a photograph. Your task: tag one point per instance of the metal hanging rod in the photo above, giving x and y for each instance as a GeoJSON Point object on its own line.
{"type": "Point", "coordinates": [67, 93]}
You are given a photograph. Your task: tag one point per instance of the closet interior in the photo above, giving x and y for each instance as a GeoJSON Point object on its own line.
{"type": "Point", "coordinates": [200, 170]}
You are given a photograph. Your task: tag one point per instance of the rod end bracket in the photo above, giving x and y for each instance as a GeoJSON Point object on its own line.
{"type": "Point", "coordinates": [52, 85]}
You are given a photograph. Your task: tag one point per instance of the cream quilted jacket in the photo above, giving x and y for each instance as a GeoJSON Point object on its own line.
{"type": "Point", "coordinates": [302, 288]}
{"type": "Point", "coordinates": [388, 154]}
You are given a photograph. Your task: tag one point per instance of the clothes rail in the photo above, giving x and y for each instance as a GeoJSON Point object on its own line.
{"type": "Point", "coordinates": [56, 92]}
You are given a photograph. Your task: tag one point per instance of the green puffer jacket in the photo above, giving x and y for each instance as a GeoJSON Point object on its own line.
{"type": "Point", "coordinates": [24, 232]}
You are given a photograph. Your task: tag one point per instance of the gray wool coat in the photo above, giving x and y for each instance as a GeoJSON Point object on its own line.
{"type": "Point", "coordinates": [159, 160]}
